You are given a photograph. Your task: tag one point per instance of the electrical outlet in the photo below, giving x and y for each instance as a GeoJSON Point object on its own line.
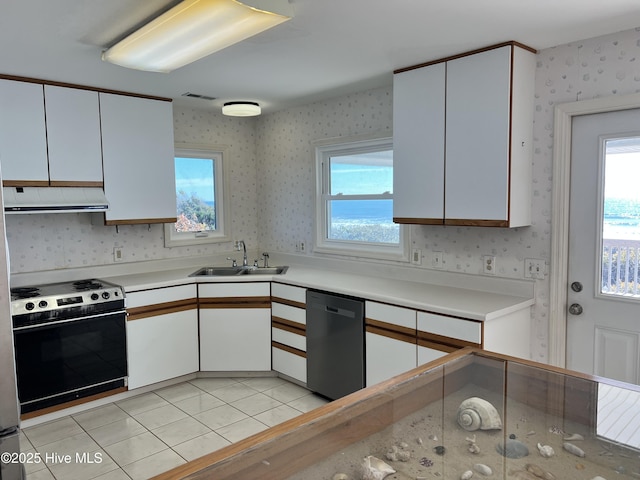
{"type": "Point", "coordinates": [117, 254]}
{"type": "Point", "coordinates": [416, 256]}
{"type": "Point", "coordinates": [489, 264]}
{"type": "Point", "coordinates": [303, 247]}
{"type": "Point", "coordinates": [534, 268]}
{"type": "Point", "coordinates": [436, 260]}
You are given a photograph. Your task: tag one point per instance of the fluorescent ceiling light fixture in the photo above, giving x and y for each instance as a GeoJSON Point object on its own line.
{"type": "Point", "coordinates": [241, 109]}
{"type": "Point", "coordinates": [194, 29]}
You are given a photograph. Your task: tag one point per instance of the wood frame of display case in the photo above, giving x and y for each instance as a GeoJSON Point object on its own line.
{"type": "Point", "coordinates": [296, 444]}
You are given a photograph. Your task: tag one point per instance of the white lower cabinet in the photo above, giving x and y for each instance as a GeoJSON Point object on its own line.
{"type": "Point", "coordinates": [288, 331]}
{"type": "Point", "coordinates": [235, 327]}
{"type": "Point", "coordinates": [390, 341]}
{"type": "Point", "coordinates": [162, 334]}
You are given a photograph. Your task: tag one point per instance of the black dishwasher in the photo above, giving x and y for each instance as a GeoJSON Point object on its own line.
{"type": "Point", "coordinates": [335, 344]}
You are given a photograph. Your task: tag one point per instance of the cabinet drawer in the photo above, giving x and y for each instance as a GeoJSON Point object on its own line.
{"type": "Point", "coordinates": [288, 338]}
{"type": "Point", "coordinates": [289, 292]}
{"type": "Point", "coordinates": [286, 312]}
{"type": "Point", "coordinates": [160, 295]}
{"type": "Point", "coordinates": [456, 328]}
{"type": "Point", "coordinates": [289, 364]}
{"type": "Point", "coordinates": [391, 314]}
{"type": "Point", "coordinates": [234, 290]}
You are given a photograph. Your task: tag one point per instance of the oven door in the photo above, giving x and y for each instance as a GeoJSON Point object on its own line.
{"type": "Point", "coordinates": [60, 361]}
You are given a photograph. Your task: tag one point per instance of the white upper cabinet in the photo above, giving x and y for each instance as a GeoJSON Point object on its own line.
{"type": "Point", "coordinates": [23, 139]}
{"type": "Point", "coordinates": [73, 136]}
{"type": "Point", "coordinates": [418, 146]}
{"type": "Point", "coordinates": [138, 157]}
{"type": "Point", "coordinates": [479, 151]}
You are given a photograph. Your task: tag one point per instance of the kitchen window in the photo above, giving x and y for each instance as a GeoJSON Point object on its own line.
{"type": "Point", "coordinates": [354, 207]}
{"type": "Point", "coordinates": [201, 203]}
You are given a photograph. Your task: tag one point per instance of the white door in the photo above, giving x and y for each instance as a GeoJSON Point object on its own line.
{"type": "Point", "coordinates": [603, 321]}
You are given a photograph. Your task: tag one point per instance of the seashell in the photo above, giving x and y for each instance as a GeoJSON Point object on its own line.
{"type": "Point", "coordinates": [475, 413]}
{"type": "Point", "coordinates": [539, 472]}
{"type": "Point", "coordinates": [571, 448]}
{"type": "Point", "coordinates": [473, 448]}
{"type": "Point", "coordinates": [466, 475]}
{"type": "Point", "coordinates": [375, 469]}
{"type": "Point", "coordinates": [483, 469]}
{"type": "Point", "coordinates": [573, 437]}
{"type": "Point", "coordinates": [341, 476]}
{"type": "Point", "coordinates": [546, 450]}
{"type": "Point", "coordinates": [512, 449]}
{"type": "Point", "coordinates": [598, 478]}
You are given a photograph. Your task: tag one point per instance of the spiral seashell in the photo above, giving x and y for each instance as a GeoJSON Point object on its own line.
{"type": "Point", "coordinates": [375, 469]}
{"type": "Point", "coordinates": [477, 414]}
{"type": "Point", "coordinates": [546, 450]}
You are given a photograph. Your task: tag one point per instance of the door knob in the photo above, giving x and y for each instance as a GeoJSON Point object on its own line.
{"type": "Point", "coordinates": [575, 309]}
{"type": "Point", "coordinates": [576, 286]}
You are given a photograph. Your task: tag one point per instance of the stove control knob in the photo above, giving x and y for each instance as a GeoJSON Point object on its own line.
{"type": "Point", "coordinates": [95, 296]}
{"type": "Point", "coordinates": [42, 303]}
{"type": "Point", "coordinates": [105, 295]}
{"type": "Point", "coordinates": [30, 305]}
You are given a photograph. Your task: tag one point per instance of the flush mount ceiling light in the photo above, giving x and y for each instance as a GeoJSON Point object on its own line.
{"type": "Point", "coordinates": [194, 29]}
{"type": "Point", "coordinates": [241, 109]}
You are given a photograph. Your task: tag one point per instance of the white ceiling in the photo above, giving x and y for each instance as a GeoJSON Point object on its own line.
{"type": "Point", "coordinates": [330, 47]}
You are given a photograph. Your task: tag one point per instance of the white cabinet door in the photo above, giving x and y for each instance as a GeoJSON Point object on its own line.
{"type": "Point", "coordinates": [162, 347]}
{"type": "Point", "coordinates": [235, 339]}
{"type": "Point", "coordinates": [426, 355]}
{"type": "Point", "coordinates": [73, 136]}
{"type": "Point", "coordinates": [418, 144]}
{"type": "Point", "coordinates": [390, 341]}
{"type": "Point", "coordinates": [387, 357]}
{"type": "Point", "coordinates": [23, 140]}
{"type": "Point", "coordinates": [138, 157]}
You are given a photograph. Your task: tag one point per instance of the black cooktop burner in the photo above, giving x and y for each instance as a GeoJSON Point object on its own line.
{"type": "Point", "coordinates": [84, 285]}
{"type": "Point", "coordinates": [24, 292]}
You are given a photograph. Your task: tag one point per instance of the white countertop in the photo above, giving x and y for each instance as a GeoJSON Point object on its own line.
{"type": "Point", "coordinates": [447, 300]}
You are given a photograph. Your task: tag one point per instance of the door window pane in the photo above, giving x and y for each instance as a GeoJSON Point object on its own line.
{"type": "Point", "coordinates": [621, 219]}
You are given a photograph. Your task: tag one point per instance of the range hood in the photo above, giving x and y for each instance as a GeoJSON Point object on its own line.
{"type": "Point", "coordinates": [54, 199]}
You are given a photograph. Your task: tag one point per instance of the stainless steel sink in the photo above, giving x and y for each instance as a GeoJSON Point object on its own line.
{"type": "Point", "coordinates": [232, 271]}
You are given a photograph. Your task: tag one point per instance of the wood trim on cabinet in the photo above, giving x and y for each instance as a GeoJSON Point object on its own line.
{"type": "Point", "coordinates": [72, 403]}
{"type": "Point", "coordinates": [291, 303]}
{"type": "Point", "coordinates": [66, 183]}
{"type": "Point", "coordinates": [137, 313]}
{"type": "Point", "coordinates": [288, 325]}
{"type": "Point", "coordinates": [427, 339]}
{"type": "Point", "coordinates": [287, 348]}
{"type": "Point", "coordinates": [460, 222]}
{"type": "Point", "coordinates": [418, 221]}
{"type": "Point", "coordinates": [138, 221]}
{"type": "Point", "coordinates": [511, 43]}
{"type": "Point", "coordinates": [25, 183]}
{"type": "Point", "coordinates": [235, 302]}
{"type": "Point", "coordinates": [437, 346]}
{"type": "Point", "coordinates": [80, 87]}
{"type": "Point", "coordinates": [390, 330]}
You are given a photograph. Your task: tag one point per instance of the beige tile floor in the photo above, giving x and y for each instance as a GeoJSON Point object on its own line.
{"type": "Point", "coordinates": [145, 435]}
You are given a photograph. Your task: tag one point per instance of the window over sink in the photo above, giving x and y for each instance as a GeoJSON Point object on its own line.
{"type": "Point", "coordinates": [202, 205]}
{"type": "Point", "coordinates": [354, 201]}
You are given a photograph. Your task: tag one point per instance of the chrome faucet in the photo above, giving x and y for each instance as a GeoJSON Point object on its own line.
{"type": "Point", "coordinates": [265, 257]}
{"type": "Point", "coordinates": [244, 254]}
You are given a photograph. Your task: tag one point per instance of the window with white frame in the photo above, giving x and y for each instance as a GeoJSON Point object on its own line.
{"type": "Point", "coordinates": [201, 205]}
{"type": "Point", "coordinates": [355, 200]}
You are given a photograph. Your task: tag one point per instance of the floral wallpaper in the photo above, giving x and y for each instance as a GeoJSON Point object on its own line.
{"type": "Point", "coordinates": [272, 179]}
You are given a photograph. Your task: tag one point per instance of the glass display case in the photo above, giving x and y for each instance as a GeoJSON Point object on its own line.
{"type": "Point", "coordinates": [471, 414]}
